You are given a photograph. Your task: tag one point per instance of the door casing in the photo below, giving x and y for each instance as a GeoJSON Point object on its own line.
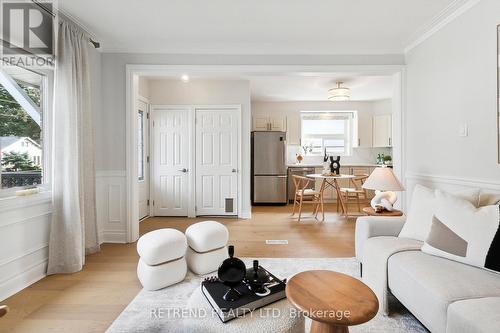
{"type": "Point", "coordinates": [147, 146]}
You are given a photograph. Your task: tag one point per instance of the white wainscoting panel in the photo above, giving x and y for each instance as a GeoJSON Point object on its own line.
{"type": "Point", "coordinates": [24, 237]}
{"type": "Point", "coordinates": [447, 183]}
{"type": "Point", "coordinates": [111, 206]}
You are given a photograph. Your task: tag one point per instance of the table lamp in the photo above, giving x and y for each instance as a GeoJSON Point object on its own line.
{"type": "Point", "coordinates": [384, 182]}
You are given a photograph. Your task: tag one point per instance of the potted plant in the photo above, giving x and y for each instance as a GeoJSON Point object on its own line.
{"type": "Point", "coordinates": [387, 159]}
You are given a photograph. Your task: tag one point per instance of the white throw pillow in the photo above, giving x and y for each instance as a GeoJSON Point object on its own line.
{"type": "Point", "coordinates": [464, 233]}
{"type": "Point", "coordinates": [422, 208]}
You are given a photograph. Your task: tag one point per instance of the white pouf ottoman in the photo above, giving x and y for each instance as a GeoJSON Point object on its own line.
{"type": "Point", "coordinates": [206, 246]}
{"type": "Point", "coordinates": [278, 317]}
{"type": "Point", "coordinates": [162, 262]}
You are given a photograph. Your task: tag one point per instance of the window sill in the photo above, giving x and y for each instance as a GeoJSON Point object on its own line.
{"type": "Point", "coordinates": [17, 202]}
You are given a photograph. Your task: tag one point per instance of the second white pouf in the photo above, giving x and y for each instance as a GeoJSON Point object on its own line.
{"type": "Point", "coordinates": [207, 246]}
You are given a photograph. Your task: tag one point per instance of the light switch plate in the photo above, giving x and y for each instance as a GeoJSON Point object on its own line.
{"type": "Point", "coordinates": [464, 130]}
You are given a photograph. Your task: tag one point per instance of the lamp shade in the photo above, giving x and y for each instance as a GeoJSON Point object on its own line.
{"type": "Point", "coordinates": [383, 179]}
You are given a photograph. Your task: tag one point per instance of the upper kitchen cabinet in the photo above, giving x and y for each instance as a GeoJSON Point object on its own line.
{"type": "Point", "coordinates": [365, 132]}
{"type": "Point", "coordinates": [293, 129]}
{"type": "Point", "coordinates": [268, 123]}
{"type": "Point", "coordinates": [382, 130]}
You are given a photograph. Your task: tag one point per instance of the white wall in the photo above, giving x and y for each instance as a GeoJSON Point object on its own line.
{"type": "Point", "coordinates": [24, 237]}
{"type": "Point", "coordinates": [143, 87]}
{"type": "Point", "coordinates": [111, 149]}
{"type": "Point", "coordinates": [212, 92]}
{"type": "Point", "coordinates": [292, 111]}
{"type": "Point", "coordinates": [451, 80]}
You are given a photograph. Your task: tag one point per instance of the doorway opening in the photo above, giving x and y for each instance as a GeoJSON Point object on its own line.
{"type": "Point", "coordinates": [215, 87]}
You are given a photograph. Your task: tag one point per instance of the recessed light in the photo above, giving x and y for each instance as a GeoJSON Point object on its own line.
{"type": "Point", "coordinates": [185, 78]}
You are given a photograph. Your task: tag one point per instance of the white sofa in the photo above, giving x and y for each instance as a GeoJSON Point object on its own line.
{"type": "Point", "coordinates": [446, 296]}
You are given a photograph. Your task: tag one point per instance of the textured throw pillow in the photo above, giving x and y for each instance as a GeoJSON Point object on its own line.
{"type": "Point", "coordinates": [464, 233]}
{"type": "Point", "coordinates": [488, 197]}
{"type": "Point", "coordinates": [423, 202]}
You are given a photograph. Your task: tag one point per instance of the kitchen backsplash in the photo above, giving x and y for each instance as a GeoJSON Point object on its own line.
{"type": "Point", "coordinates": [359, 155]}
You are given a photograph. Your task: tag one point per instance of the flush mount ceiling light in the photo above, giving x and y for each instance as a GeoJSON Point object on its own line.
{"type": "Point", "coordinates": [339, 93]}
{"type": "Point", "coordinates": [185, 78]}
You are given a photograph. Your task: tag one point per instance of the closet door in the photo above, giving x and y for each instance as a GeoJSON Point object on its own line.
{"type": "Point", "coordinates": [216, 161]}
{"type": "Point", "coordinates": [171, 154]}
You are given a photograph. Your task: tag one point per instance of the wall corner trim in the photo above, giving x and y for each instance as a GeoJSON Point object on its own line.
{"type": "Point", "coordinates": [446, 16]}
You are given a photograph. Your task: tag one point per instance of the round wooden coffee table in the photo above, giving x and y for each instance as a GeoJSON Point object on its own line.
{"type": "Point", "coordinates": [334, 301]}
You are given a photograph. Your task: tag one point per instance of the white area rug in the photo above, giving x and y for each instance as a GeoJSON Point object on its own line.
{"type": "Point", "coordinates": [149, 311]}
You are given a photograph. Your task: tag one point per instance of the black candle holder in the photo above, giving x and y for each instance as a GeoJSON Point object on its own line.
{"type": "Point", "coordinates": [232, 272]}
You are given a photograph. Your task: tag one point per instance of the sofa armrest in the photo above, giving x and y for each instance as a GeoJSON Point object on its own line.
{"type": "Point", "coordinates": [374, 226]}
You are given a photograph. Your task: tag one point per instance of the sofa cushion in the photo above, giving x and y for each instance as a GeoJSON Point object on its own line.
{"type": "Point", "coordinates": [427, 284]}
{"type": "Point", "coordinates": [479, 315]}
{"type": "Point", "coordinates": [207, 236]}
{"type": "Point", "coordinates": [423, 201]}
{"type": "Point", "coordinates": [464, 233]}
{"type": "Point", "coordinates": [162, 245]}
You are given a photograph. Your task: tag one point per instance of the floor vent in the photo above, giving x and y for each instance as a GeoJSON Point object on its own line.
{"type": "Point", "coordinates": [276, 241]}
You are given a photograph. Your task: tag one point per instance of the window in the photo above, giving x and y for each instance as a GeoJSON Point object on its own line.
{"type": "Point", "coordinates": [140, 140]}
{"type": "Point", "coordinates": [328, 131]}
{"type": "Point", "coordinates": [21, 127]}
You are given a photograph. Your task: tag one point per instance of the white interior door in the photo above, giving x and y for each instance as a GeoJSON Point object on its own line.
{"type": "Point", "coordinates": [143, 157]}
{"type": "Point", "coordinates": [217, 161]}
{"type": "Point", "coordinates": [171, 154]}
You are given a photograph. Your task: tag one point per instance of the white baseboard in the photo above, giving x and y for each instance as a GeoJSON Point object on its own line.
{"type": "Point", "coordinates": [245, 215]}
{"type": "Point", "coordinates": [23, 280]}
{"type": "Point", "coordinates": [119, 237]}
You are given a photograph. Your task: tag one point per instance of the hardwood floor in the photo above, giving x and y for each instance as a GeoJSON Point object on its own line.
{"type": "Point", "coordinates": [89, 301]}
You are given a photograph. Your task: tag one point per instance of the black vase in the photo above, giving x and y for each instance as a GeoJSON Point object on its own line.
{"type": "Point", "coordinates": [232, 272]}
{"type": "Point", "coordinates": [256, 278]}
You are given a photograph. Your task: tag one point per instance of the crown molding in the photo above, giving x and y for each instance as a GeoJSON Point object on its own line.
{"type": "Point", "coordinates": [446, 16]}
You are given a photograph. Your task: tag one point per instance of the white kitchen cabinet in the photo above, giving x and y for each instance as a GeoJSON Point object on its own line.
{"type": "Point", "coordinates": [293, 129]}
{"type": "Point", "coordinates": [260, 123]}
{"type": "Point", "coordinates": [365, 132]}
{"type": "Point", "coordinates": [268, 123]}
{"type": "Point", "coordinates": [278, 123]}
{"type": "Point", "coordinates": [382, 130]}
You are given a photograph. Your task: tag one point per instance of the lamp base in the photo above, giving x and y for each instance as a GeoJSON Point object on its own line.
{"type": "Point", "coordinates": [384, 200]}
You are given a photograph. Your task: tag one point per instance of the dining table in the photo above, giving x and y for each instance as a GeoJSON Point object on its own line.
{"type": "Point", "coordinates": [331, 181]}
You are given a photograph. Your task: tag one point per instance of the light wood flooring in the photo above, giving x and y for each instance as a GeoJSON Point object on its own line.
{"type": "Point", "coordinates": [89, 301]}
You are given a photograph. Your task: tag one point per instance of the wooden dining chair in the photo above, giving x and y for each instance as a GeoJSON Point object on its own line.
{"type": "Point", "coordinates": [356, 192]}
{"type": "Point", "coordinates": [305, 195]}
{"type": "Point", "coordinates": [3, 310]}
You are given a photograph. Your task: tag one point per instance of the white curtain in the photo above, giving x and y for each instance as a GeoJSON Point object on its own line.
{"type": "Point", "coordinates": [73, 230]}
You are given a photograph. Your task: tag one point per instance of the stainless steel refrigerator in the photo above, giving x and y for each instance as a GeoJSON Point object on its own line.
{"type": "Point", "coordinates": [269, 170]}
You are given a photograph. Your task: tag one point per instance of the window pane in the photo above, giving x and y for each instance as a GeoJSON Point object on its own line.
{"type": "Point", "coordinates": [140, 141]}
{"type": "Point", "coordinates": [20, 136]}
{"type": "Point", "coordinates": [327, 131]}
{"type": "Point", "coordinates": [323, 126]}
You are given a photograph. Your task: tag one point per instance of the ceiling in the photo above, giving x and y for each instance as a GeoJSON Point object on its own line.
{"type": "Point", "coordinates": [255, 27]}
{"type": "Point", "coordinates": [300, 88]}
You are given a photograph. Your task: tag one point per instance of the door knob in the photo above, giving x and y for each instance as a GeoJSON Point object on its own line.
{"type": "Point", "coordinates": [183, 170]}
{"type": "Point", "coordinates": [234, 171]}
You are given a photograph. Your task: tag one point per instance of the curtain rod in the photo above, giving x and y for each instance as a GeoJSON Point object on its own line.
{"type": "Point", "coordinates": [51, 13]}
